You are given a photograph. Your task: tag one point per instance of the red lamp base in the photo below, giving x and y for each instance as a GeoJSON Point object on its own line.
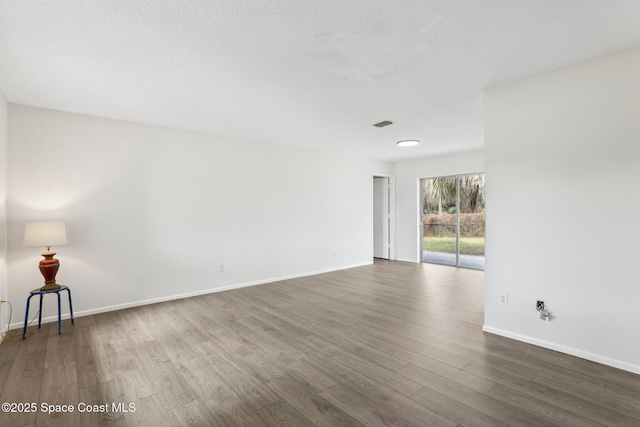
{"type": "Point", "coordinates": [49, 268]}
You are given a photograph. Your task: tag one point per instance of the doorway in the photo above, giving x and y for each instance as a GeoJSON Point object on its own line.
{"type": "Point", "coordinates": [383, 217]}
{"type": "Point", "coordinates": [452, 221]}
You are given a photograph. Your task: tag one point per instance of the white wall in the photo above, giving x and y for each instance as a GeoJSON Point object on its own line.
{"type": "Point", "coordinates": [408, 174]}
{"type": "Point", "coordinates": [151, 212]}
{"type": "Point", "coordinates": [562, 161]}
{"type": "Point", "coordinates": [3, 213]}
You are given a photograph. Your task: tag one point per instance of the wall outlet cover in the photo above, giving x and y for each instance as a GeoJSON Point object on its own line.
{"type": "Point", "coordinates": [504, 298]}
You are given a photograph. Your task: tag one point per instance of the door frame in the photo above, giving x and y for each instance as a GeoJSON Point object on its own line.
{"type": "Point", "coordinates": [392, 213]}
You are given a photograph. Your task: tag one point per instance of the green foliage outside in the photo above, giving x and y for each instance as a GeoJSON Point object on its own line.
{"type": "Point", "coordinates": [440, 194]}
{"type": "Point", "coordinates": [468, 245]}
{"type": "Point", "coordinates": [471, 225]}
{"type": "Point", "coordinates": [442, 197]}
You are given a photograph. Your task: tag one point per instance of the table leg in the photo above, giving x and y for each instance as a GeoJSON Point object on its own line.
{"type": "Point", "coordinates": [70, 306]}
{"type": "Point", "coordinates": [26, 318]}
{"type": "Point", "coordinates": [59, 315]}
{"type": "Point", "coordinates": [40, 313]}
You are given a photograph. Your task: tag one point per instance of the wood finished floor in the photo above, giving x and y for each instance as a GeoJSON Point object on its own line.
{"type": "Point", "coordinates": [388, 344]}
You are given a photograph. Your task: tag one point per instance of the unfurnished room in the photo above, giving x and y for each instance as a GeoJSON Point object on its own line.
{"type": "Point", "coordinates": [320, 213]}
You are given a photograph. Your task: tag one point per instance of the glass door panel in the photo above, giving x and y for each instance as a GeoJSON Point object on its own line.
{"type": "Point", "coordinates": [472, 221]}
{"type": "Point", "coordinates": [439, 225]}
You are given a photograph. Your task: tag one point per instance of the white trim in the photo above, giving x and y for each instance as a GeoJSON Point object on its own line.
{"type": "Point", "coordinates": [420, 224]}
{"type": "Point", "coordinates": [392, 214]}
{"type": "Point", "coordinates": [16, 325]}
{"type": "Point", "coordinates": [565, 349]}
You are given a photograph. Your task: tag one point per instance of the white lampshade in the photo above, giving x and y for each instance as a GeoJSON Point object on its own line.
{"type": "Point", "coordinates": [45, 233]}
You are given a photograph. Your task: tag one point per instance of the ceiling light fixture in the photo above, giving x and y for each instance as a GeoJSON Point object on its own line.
{"type": "Point", "coordinates": [408, 143]}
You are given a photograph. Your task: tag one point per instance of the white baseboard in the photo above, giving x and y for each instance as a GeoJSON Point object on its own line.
{"type": "Point", "coordinates": [625, 366]}
{"type": "Point", "coordinates": [48, 319]}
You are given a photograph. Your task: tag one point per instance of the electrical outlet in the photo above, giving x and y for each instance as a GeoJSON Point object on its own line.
{"type": "Point", "coordinates": [220, 268]}
{"type": "Point", "coordinates": [539, 305]}
{"type": "Point", "coordinates": [504, 299]}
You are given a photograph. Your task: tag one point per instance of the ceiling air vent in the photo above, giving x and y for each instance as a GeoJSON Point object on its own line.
{"type": "Point", "coordinates": [383, 124]}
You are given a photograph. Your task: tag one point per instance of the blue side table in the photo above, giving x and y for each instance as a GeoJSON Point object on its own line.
{"type": "Point", "coordinates": [43, 293]}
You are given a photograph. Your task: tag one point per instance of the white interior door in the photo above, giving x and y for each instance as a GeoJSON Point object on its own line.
{"type": "Point", "coordinates": [381, 217]}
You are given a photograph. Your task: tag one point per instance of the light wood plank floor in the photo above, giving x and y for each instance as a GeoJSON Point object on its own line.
{"type": "Point", "coordinates": [388, 344]}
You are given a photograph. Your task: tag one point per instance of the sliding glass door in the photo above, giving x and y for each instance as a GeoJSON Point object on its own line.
{"type": "Point", "coordinates": [452, 220]}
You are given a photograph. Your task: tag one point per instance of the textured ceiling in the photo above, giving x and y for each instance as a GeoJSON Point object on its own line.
{"type": "Point", "coordinates": [312, 74]}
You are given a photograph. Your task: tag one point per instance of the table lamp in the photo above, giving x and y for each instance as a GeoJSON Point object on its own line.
{"type": "Point", "coordinates": [46, 233]}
